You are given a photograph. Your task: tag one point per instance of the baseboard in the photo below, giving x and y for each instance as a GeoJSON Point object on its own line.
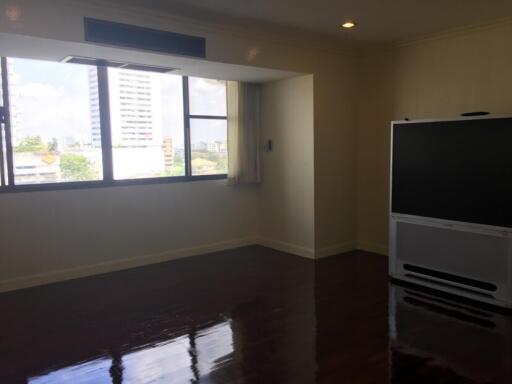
{"type": "Point", "coordinates": [287, 247]}
{"type": "Point", "coordinates": [335, 249]}
{"type": "Point", "coordinates": [307, 252]}
{"type": "Point", "coordinates": [373, 247]}
{"type": "Point", "coordinates": [118, 265]}
{"type": "Point", "coordinates": [133, 262]}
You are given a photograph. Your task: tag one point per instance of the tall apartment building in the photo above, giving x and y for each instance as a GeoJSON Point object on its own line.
{"type": "Point", "coordinates": [168, 153]}
{"type": "Point", "coordinates": [15, 116]}
{"type": "Point", "coordinates": [94, 105]}
{"type": "Point", "coordinates": [135, 109]}
{"type": "Point", "coordinates": [217, 146]}
{"type": "Point", "coordinates": [136, 122]}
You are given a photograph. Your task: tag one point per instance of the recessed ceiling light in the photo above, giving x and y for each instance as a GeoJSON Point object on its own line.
{"type": "Point", "coordinates": [348, 24]}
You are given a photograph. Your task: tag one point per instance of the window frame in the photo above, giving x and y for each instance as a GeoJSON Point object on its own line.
{"type": "Point", "coordinates": [188, 117]}
{"type": "Point", "coordinates": [7, 182]}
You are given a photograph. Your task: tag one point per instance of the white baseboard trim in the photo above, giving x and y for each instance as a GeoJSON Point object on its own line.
{"type": "Point", "coordinates": [138, 261]}
{"type": "Point", "coordinates": [373, 247]}
{"type": "Point", "coordinates": [335, 249]}
{"type": "Point", "coordinates": [118, 265]}
{"type": "Point", "coordinates": [287, 247]}
{"type": "Point", "coordinates": [307, 252]}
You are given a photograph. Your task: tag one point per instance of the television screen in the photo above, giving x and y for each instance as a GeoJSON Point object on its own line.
{"type": "Point", "coordinates": [454, 170]}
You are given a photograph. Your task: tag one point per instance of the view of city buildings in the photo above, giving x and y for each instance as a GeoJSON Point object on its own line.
{"type": "Point", "coordinates": [55, 119]}
{"type": "Point", "coordinates": [136, 123]}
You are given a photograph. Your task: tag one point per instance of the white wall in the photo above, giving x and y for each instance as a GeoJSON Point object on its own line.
{"type": "Point", "coordinates": [335, 150]}
{"type": "Point", "coordinates": [374, 114]}
{"type": "Point", "coordinates": [86, 231]}
{"type": "Point", "coordinates": [287, 193]}
{"type": "Point", "coordinates": [442, 76]}
{"type": "Point", "coordinates": [46, 232]}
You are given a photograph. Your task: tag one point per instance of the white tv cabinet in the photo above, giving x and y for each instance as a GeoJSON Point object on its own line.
{"type": "Point", "coordinates": [469, 260]}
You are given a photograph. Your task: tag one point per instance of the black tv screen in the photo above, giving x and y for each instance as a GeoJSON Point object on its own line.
{"type": "Point", "coordinates": [454, 170]}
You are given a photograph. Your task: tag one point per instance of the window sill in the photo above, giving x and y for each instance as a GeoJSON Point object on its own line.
{"type": "Point", "coordinates": [106, 184]}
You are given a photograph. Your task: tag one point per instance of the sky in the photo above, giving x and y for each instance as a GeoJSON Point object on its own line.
{"type": "Point", "coordinates": [49, 99]}
{"type": "Point", "coordinates": [52, 100]}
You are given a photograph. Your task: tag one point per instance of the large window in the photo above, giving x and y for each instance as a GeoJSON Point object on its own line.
{"type": "Point", "coordinates": [50, 122]}
{"type": "Point", "coordinates": [146, 119]}
{"type": "Point", "coordinates": [208, 126]}
{"type": "Point", "coordinates": [71, 125]}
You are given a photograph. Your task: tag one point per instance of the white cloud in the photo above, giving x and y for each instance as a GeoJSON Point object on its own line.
{"type": "Point", "coordinates": [49, 111]}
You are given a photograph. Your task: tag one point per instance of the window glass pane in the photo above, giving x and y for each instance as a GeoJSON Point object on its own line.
{"type": "Point", "coordinates": [207, 97]}
{"type": "Point", "coordinates": [2, 133]}
{"type": "Point", "coordinates": [146, 111]}
{"type": "Point", "coordinates": [1, 89]}
{"type": "Point", "coordinates": [53, 118]}
{"type": "Point", "coordinates": [209, 146]}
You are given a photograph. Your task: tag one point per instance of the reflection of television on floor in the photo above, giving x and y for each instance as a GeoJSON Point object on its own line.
{"type": "Point", "coordinates": [439, 335]}
{"type": "Point", "coordinates": [451, 209]}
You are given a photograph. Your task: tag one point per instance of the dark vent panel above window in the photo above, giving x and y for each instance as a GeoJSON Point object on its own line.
{"type": "Point", "coordinates": [124, 35]}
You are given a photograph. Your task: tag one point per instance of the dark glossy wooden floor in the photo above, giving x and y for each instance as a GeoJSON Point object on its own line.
{"type": "Point", "coordinates": [250, 315]}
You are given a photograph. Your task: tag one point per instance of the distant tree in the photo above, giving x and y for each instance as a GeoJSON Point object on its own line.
{"type": "Point", "coordinates": [222, 164]}
{"type": "Point", "coordinates": [53, 146]}
{"type": "Point", "coordinates": [175, 170]}
{"type": "Point", "coordinates": [178, 157]}
{"type": "Point", "coordinates": [31, 144]}
{"type": "Point", "coordinates": [203, 166]}
{"type": "Point", "coordinates": [76, 167]}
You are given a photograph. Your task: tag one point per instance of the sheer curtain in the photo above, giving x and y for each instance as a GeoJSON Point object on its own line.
{"type": "Point", "coordinates": [243, 133]}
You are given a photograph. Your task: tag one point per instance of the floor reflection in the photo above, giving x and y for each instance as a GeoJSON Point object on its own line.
{"type": "Point", "coordinates": [250, 316]}
{"type": "Point", "coordinates": [95, 371]}
{"type": "Point", "coordinates": [437, 338]}
{"type": "Point", "coordinates": [242, 316]}
{"type": "Point", "coordinates": [188, 358]}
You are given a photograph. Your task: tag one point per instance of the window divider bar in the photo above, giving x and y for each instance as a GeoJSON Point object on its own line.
{"type": "Point", "coordinates": [105, 125]}
{"type": "Point", "coordinates": [208, 117]}
{"type": "Point", "coordinates": [186, 122]}
{"type": "Point", "coordinates": [2, 164]}
{"type": "Point", "coordinates": [7, 122]}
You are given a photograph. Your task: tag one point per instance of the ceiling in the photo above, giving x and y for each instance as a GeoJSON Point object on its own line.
{"type": "Point", "coordinates": [378, 20]}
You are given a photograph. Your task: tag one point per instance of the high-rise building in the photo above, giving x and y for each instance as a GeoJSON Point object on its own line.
{"type": "Point", "coordinates": [217, 146]}
{"type": "Point", "coordinates": [15, 116]}
{"type": "Point", "coordinates": [168, 153]}
{"type": "Point", "coordinates": [135, 108]}
{"type": "Point", "coordinates": [200, 146]}
{"type": "Point", "coordinates": [136, 121]}
{"type": "Point", "coordinates": [94, 105]}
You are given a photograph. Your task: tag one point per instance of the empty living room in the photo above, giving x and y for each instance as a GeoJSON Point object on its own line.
{"type": "Point", "coordinates": [232, 192]}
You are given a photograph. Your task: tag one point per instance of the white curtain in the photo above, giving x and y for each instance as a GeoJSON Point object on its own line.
{"type": "Point", "coordinates": [243, 133]}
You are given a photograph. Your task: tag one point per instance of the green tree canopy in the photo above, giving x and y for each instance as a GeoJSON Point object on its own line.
{"type": "Point", "coordinates": [53, 146]}
{"type": "Point", "coordinates": [31, 144]}
{"type": "Point", "coordinates": [76, 167]}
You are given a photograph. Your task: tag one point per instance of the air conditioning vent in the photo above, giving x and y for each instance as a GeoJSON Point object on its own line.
{"type": "Point", "coordinates": [147, 39]}
{"type": "Point", "coordinates": [454, 287]}
{"type": "Point", "coordinates": [450, 277]}
{"type": "Point", "coordinates": [116, 64]}
{"type": "Point", "coordinates": [148, 68]}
